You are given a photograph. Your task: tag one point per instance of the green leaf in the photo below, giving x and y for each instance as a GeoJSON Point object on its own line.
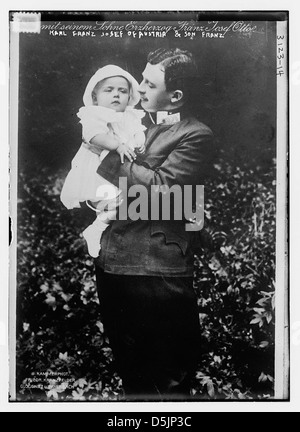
{"type": "Point", "coordinates": [205, 380]}
{"type": "Point", "coordinates": [217, 359]}
{"type": "Point", "coordinates": [210, 388]}
{"type": "Point", "coordinates": [81, 382]}
{"type": "Point", "coordinates": [273, 302]}
{"type": "Point", "coordinates": [262, 377]}
{"type": "Point", "coordinates": [270, 378]}
{"type": "Point", "coordinates": [255, 320]}
{"type": "Point", "coordinates": [63, 356]}
{"type": "Point", "coordinates": [44, 288]}
{"type": "Point", "coordinates": [269, 317]}
{"type": "Point", "coordinates": [229, 289]}
{"type": "Point", "coordinates": [62, 387]}
{"type": "Point", "coordinates": [263, 344]}
{"type": "Point", "coordinates": [78, 395]}
{"type": "Point", "coordinates": [52, 393]}
{"type": "Point", "coordinates": [262, 301]}
{"type": "Point", "coordinates": [100, 326]}
{"type": "Point", "coordinates": [259, 310]}
{"type": "Point", "coordinates": [51, 301]}
{"type": "Point", "coordinates": [66, 297]}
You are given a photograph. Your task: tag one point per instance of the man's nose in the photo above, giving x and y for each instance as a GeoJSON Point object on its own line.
{"type": "Point", "coordinates": [116, 93]}
{"type": "Point", "coordinates": [141, 87]}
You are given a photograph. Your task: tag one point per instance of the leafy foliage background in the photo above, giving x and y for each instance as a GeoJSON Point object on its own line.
{"type": "Point", "coordinates": [63, 352]}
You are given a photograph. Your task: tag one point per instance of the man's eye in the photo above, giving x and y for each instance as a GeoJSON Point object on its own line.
{"type": "Point", "coordinates": [107, 90]}
{"type": "Point", "coordinates": [124, 91]}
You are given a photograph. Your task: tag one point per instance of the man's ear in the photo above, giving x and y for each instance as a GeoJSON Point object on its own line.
{"type": "Point", "coordinates": [177, 96]}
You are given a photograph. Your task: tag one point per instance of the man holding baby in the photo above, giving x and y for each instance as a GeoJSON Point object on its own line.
{"type": "Point", "coordinates": [145, 268]}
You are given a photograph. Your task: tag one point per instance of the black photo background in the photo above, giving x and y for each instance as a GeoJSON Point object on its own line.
{"type": "Point", "coordinates": [237, 75]}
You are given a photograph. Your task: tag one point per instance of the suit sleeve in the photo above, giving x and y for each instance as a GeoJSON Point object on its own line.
{"type": "Point", "coordinates": [187, 164]}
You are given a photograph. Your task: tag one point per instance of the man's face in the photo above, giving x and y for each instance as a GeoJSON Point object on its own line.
{"type": "Point", "coordinates": [113, 93]}
{"type": "Point", "coordinates": [154, 96]}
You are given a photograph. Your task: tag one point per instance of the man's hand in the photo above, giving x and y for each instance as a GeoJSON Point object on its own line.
{"type": "Point", "coordinates": [125, 150]}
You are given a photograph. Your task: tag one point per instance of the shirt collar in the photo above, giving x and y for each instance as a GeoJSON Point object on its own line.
{"type": "Point", "coordinates": [163, 117]}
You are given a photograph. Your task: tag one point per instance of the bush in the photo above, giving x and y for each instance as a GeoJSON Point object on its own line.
{"type": "Point", "coordinates": [234, 279]}
{"type": "Point", "coordinates": [62, 350]}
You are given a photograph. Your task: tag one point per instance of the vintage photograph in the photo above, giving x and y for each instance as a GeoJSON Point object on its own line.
{"type": "Point", "coordinates": [148, 208]}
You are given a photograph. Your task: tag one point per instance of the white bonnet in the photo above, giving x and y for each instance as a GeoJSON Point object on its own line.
{"type": "Point", "coordinates": [107, 72]}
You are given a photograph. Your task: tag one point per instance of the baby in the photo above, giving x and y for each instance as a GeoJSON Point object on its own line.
{"type": "Point", "coordinates": [109, 122]}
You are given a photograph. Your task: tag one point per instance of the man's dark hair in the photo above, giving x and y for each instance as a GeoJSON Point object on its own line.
{"type": "Point", "coordinates": [180, 69]}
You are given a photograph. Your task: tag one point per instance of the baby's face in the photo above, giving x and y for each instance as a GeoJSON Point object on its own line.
{"type": "Point", "coordinates": [113, 93]}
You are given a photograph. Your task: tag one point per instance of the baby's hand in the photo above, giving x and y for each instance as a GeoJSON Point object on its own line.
{"type": "Point", "coordinates": [137, 146]}
{"type": "Point", "coordinates": [139, 140]}
{"type": "Point", "coordinates": [141, 149]}
{"type": "Point", "coordinates": [125, 150]}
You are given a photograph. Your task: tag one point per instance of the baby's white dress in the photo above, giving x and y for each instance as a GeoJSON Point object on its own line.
{"type": "Point", "coordinates": [82, 181]}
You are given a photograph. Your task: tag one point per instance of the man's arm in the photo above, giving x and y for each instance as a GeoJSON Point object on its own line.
{"type": "Point", "coordinates": [187, 164]}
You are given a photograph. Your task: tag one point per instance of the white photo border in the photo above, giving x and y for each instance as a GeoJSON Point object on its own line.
{"type": "Point", "coordinates": [294, 312]}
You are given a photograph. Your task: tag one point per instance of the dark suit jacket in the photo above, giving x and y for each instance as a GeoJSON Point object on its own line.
{"type": "Point", "coordinates": [175, 154]}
